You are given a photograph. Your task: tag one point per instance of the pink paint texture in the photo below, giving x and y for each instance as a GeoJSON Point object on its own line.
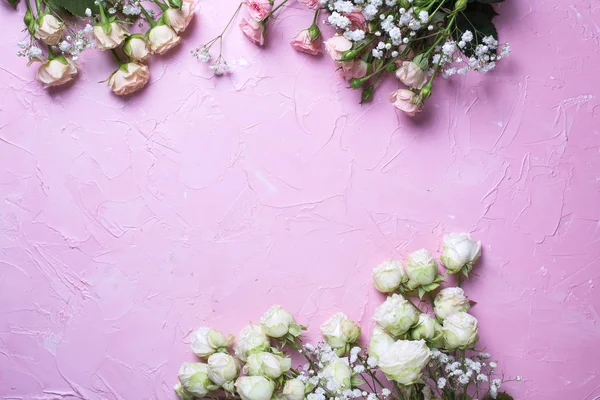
{"type": "Point", "coordinates": [127, 223]}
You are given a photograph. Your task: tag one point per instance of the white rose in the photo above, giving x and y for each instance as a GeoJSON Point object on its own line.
{"type": "Point", "coordinates": [48, 29]}
{"type": "Point", "coordinates": [460, 331]}
{"type": "Point", "coordinates": [412, 75]}
{"type": "Point", "coordinates": [405, 360]}
{"type": "Point", "coordinates": [339, 374]}
{"type": "Point", "coordinates": [194, 379]}
{"type": "Point", "coordinates": [380, 342]}
{"type": "Point", "coordinates": [396, 315]}
{"type": "Point", "coordinates": [421, 268]}
{"type": "Point", "coordinates": [222, 368]}
{"type": "Point", "coordinates": [267, 364]}
{"type": "Point", "coordinates": [293, 390]}
{"type": "Point", "coordinates": [277, 322]}
{"type": "Point", "coordinates": [129, 78]}
{"type": "Point", "coordinates": [136, 48]}
{"type": "Point", "coordinates": [206, 341]}
{"type": "Point", "coordinates": [251, 339]}
{"type": "Point", "coordinates": [387, 276]}
{"type": "Point", "coordinates": [56, 72]}
{"type": "Point", "coordinates": [460, 251]}
{"type": "Point", "coordinates": [109, 36]}
{"type": "Point", "coordinates": [179, 19]}
{"type": "Point", "coordinates": [339, 331]}
{"type": "Point", "coordinates": [429, 330]}
{"type": "Point", "coordinates": [450, 300]}
{"type": "Point", "coordinates": [182, 393]}
{"type": "Point", "coordinates": [162, 38]}
{"type": "Point", "coordinates": [254, 387]}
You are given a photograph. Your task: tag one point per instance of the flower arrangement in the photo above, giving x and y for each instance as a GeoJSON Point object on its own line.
{"type": "Point", "coordinates": [417, 40]}
{"type": "Point", "coordinates": [412, 353]}
{"type": "Point", "coordinates": [58, 31]}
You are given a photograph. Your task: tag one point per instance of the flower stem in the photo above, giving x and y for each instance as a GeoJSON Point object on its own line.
{"type": "Point", "coordinates": [149, 18]}
{"type": "Point", "coordinates": [116, 56]}
{"type": "Point", "coordinates": [162, 6]}
{"type": "Point", "coordinates": [316, 16]}
{"type": "Point", "coordinates": [279, 6]}
{"type": "Point", "coordinates": [431, 298]}
{"type": "Point", "coordinates": [414, 305]}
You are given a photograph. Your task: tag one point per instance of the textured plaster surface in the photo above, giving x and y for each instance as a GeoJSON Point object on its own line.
{"type": "Point", "coordinates": [127, 223]}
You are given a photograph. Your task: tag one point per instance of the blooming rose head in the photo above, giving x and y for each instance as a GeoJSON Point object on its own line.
{"type": "Point", "coordinates": [254, 387]}
{"type": "Point", "coordinates": [129, 78]}
{"type": "Point", "coordinates": [277, 322]}
{"type": "Point", "coordinates": [460, 331]}
{"type": "Point", "coordinates": [388, 275]}
{"type": "Point", "coordinates": [357, 18]}
{"type": "Point", "coordinates": [407, 101]}
{"type": "Point", "coordinates": [339, 332]}
{"type": "Point", "coordinates": [312, 4]}
{"type": "Point", "coordinates": [266, 364]}
{"type": "Point", "coordinates": [109, 36]}
{"type": "Point", "coordinates": [304, 43]}
{"type": "Point", "coordinates": [449, 301]}
{"type": "Point", "coordinates": [180, 18]}
{"type": "Point", "coordinates": [252, 339]}
{"type": "Point", "coordinates": [396, 315]}
{"type": "Point", "coordinates": [222, 368]}
{"type": "Point", "coordinates": [194, 379]}
{"type": "Point", "coordinates": [405, 360]}
{"type": "Point", "coordinates": [162, 38]}
{"type": "Point", "coordinates": [353, 69]}
{"type": "Point", "coordinates": [460, 251]}
{"type": "Point", "coordinates": [380, 342]}
{"type": "Point", "coordinates": [136, 48]}
{"type": "Point", "coordinates": [421, 268]}
{"type": "Point", "coordinates": [259, 9]}
{"type": "Point", "coordinates": [293, 390]}
{"type": "Point", "coordinates": [48, 29]}
{"type": "Point", "coordinates": [411, 75]}
{"type": "Point", "coordinates": [56, 72]}
{"type": "Point", "coordinates": [336, 46]}
{"type": "Point", "coordinates": [182, 393]}
{"type": "Point", "coordinates": [254, 30]}
{"type": "Point", "coordinates": [429, 330]}
{"type": "Point", "coordinates": [339, 373]}
{"type": "Point", "coordinates": [206, 341]}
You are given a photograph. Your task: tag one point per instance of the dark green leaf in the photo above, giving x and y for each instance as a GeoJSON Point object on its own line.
{"type": "Point", "coordinates": [500, 396]}
{"type": "Point", "coordinates": [489, 1]}
{"type": "Point", "coordinates": [76, 7]}
{"type": "Point", "coordinates": [477, 18]}
{"type": "Point", "coordinates": [13, 2]}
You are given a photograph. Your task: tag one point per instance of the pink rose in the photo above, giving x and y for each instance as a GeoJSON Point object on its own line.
{"type": "Point", "coordinates": [353, 69]}
{"type": "Point", "coordinates": [312, 4]}
{"type": "Point", "coordinates": [411, 75]}
{"type": "Point", "coordinates": [405, 100]}
{"type": "Point", "coordinates": [357, 18]}
{"type": "Point", "coordinates": [336, 46]}
{"type": "Point", "coordinates": [259, 9]}
{"type": "Point", "coordinates": [254, 30]}
{"type": "Point", "coordinates": [305, 44]}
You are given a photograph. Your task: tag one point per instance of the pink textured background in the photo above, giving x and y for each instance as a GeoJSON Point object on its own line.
{"type": "Point", "coordinates": [127, 223]}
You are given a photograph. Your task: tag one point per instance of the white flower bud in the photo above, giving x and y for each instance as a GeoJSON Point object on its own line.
{"type": "Point", "coordinates": [460, 251]}
{"type": "Point", "coordinates": [293, 390]}
{"type": "Point", "coordinates": [182, 393]}
{"type": "Point", "coordinates": [129, 78]}
{"type": "Point", "coordinates": [251, 339]}
{"type": "Point", "coordinates": [254, 388]}
{"type": "Point", "coordinates": [405, 360]}
{"type": "Point", "coordinates": [387, 276]}
{"type": "Point", "coordinates": [179, 19]}
{"type": "Point", "coordinates": [429, 330]}
{"type": "Point", "coordinates": [267, 364]}
{"type": "Point", "coordinates": [460, 331]}
{"type": "Point", "coordinates": [339, 373]}
{"type": "Point", "coordinates": [136, 48]}
{"type": "Point", "coordinates": [450, 300]}
{"type": "Point", "coordinates": [380, 342]}
{"type": "Point", "coordinates": [206, 341]}
{"type": "Point", "coordinates": [339, 331]}
{"type": "Point", "coordinates": [109, 36]}
{"type": "Point", "coordinates": [276, 322]}
{"type": "Point", "coordinates": [48, 29]}
{"type": "Point", "coordinates": [222, 368]}
{"type": "Point", "coordinates": [56, 72]}
{"type": "Point", "coordinates": [421, 267]}
{"type": "Point", "coordinates": [162, 38]}
{"type": "Point", "coordinates": [194, 379]}
{"type": "Point", "coordinates": [396, 315]}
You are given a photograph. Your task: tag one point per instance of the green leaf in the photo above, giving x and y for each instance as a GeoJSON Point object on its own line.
{"type": "Point", "coordinates": [421, 292]}
{"type": "Point", "coordinates": [500, 396]}
{"type": "Point", "coordinates": [489, 1]}
{"type": "Point", "coordinates": [13, 2]}
{"type": "Point", "coordinates": [357, 382]}
{"type": "Point", "coordinates": [76, 7]}
{"type": "Point", "coordinates": [477, 18]}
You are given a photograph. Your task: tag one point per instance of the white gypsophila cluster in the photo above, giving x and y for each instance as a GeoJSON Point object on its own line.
{"type": "Point", "coordinates": [202, 54]}
{"type": "Point", "coordinates": [355, 36]}
{"type": "Point", "coordinates": [343, 6]}
{"type": "Point", "coordinates": [30, 50]}
{"type": "Point", "coordinates": [338, 20]}
{"type": "Point", "coordinates": [74, 45]}
{"type": "Point", "coordinates": [220, 67]}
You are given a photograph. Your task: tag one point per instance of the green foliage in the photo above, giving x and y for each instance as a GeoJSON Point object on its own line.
{"type": "Point", "coordinates": [75, 7]}
{"type": "Point", "coordinates": [477, 18]}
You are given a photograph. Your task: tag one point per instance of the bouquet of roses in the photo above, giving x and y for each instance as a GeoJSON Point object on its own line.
{"type": "Point", "coordinates": [417, 40]}
{"type": "Point", "coordinates": [58, 31]}
{"type": "Point", "coordinates": [413, 353]}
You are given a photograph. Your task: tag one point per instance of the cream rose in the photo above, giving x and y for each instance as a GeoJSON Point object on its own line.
{"type": "Point", "coordinates": [339, 332]}
{"type": "Point", "coordinates": [252, 339]}
{"type": "Point", "coordinates": [449, 301]}
{"type": "Point", "coordinates": [48, 29]}
{"type": "Point", "coordinates": [56, 72]}
{"type": "Point", "coordinates": [429, 330]}
{"type": "Point", "coordinates": [339, 372]}
{"type": "Point", "coordinates": [396, 315]}
{"type": "Point", "coordinates": [136, 48]}
{"type": "Point", "coordinates": [129, 78]}
{"type": "Point", "coordinates": [162, 38]}
{"type": "Point", "coordinates": [421, 268]}
{"type": "Point", "coordinates": [277, 322]}
{"type": "Point", "coordinates": [194, 379]}
{"type": "Point", "coordinates": [266, 364]}
{"type": "Point", "coordinates": [222, 368]}
{"type": "Point", "coordinates": [180, 18]}
{"type": "Point", "coordinates": [206, 341]}
{"type": "Point", "coordinates": [336, 46]}
{"type": "Point", "coordinates": [388, 275]}
{"type": "Point", "coordinates": [254, 387]}
{"type": "Point", "coordinates": [380, 342]}
{"type": "Point", "coordinates": [405, 360]}
{"type": "Point", "coordinates": [109, 36]}
{"type": "Point", "coordinates": [407, 101]}
{"type": "Point", "coordinates": [182, 393]}
{"type": "Point", "coordinates": [293, 390]}
{"type": "Point", "coordinates": [460, 251]}
{"type": "Point", "coordinates": [460, 331]}
{"type": "Point", "coordinates": [411, 75]}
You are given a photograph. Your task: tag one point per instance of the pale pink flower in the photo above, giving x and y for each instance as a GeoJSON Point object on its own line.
{"type": "Point", "coordinates": [411, 75]}
{"type": "Point", "coordinates": [254, 30]}
{"type": "Point", "coordinates": [312, 4]}
{"type": "Point", "coordinates": [179, 19]}
{"type": "Point", "coordinates": [259, 9]}
{"type": "Point", "coordinates": [305, 44]}
{"type": "Point", "coordinates": [336, 46]}
{"type": "Point", "coordinates": [353, 69]}
{"type": "Point", "coordinates": [407, 101]}
{"type": "Point", "coordinates": [357, 18]}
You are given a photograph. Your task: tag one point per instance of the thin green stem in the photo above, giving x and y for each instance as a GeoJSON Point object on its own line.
{"type": "Point", "coordinates": [116, 56]}
{"type": "Point", "coordinates": [278, 7]}
{"type": "Point", "coordinates": [102, 12]}
{"type": "Point", "coordinates": [414, 305]}
{"type": "Point", "coordinates": [458, 279]}
{"type": "Point", "coordinates": [162, 6]}
{"type": "Point", "coordinates": [431, 299]}
{"type": "Point", "coordinates": [148, 17]}
{"type": "Point", "coordinates": [316, 16]}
